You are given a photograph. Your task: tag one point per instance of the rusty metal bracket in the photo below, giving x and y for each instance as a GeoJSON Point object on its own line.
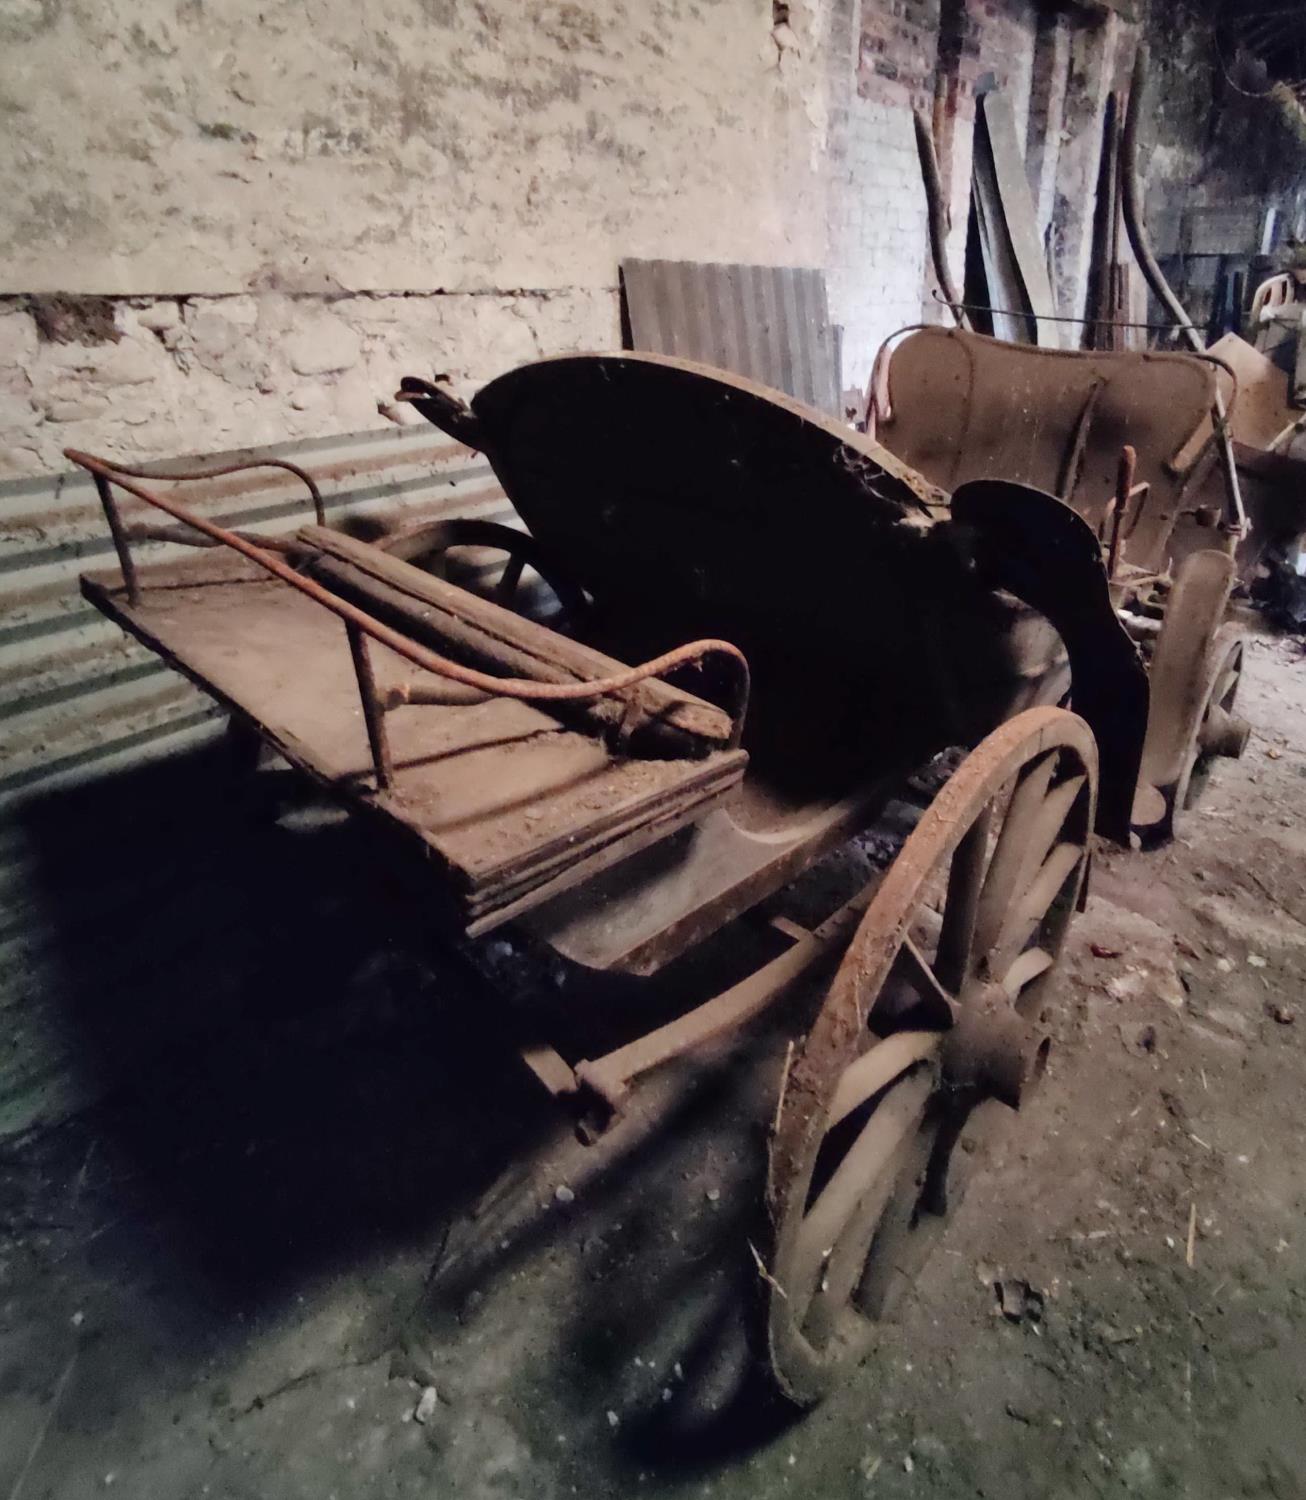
{"type": "Point", "coordinates": [118, 532]}
{"type": "Point", "coordinates": [443, 410]}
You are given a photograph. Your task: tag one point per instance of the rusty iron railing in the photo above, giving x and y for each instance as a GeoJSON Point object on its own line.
{"type": "Point", "coordinates": [361, 627]}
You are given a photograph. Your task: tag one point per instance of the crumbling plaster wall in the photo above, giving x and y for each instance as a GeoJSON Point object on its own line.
{"type": "Point", "coordinates": [291, 204]}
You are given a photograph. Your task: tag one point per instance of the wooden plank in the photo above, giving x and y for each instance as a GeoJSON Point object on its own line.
{"type": "Point", "coordinates": [512, 806]}
{"type": "Point", "coordinates": [1007, 306]}
{"type": "Point", "coordinates": [533, 650]}
{"type": "Point", "coordinates": [1017, 217]}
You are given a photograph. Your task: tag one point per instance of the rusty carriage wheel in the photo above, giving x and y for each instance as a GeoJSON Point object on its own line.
{"type": "Point", "coordinates": [1219, 731]}
{"type": "Point", "coordinates": [1194, 677]}
{"type": "Point", "coordinates": [930, 1013]}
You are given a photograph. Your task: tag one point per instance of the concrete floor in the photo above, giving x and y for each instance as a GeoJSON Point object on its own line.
{"type": "Point", "coordinates": [238, 1276]}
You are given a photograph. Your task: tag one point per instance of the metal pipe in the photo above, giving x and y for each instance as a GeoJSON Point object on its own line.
{"type": "Point", "coordinates": [172, 476]}
{"type": "Point", "coordinates": [1141, 493]}
{"type": "Point", "coordinates": [1236, 519]}
{"type": "Point", "coordinates": [1133, 206]}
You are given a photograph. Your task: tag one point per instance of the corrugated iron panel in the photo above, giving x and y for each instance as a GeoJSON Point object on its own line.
{"type": "Point", "coordinates": [768, 323]}
{"type": "Point", "coordinates": [100, 743]}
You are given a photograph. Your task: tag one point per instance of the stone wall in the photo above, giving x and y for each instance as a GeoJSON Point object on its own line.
{"type": "Point", "coordinates": [185, 374]}
{"type": "Point", "coordinates": [291, 204]}
{"type": "Point", "coordinates": [402, 145]}
{"type": "Point", "coordinates": [287, 206]}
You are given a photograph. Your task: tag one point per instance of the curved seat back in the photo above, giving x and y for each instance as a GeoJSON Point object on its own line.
{"type": "Point", "coordinates": [689, 502]}
{"type": "Point", "coordinates": [965, 406]}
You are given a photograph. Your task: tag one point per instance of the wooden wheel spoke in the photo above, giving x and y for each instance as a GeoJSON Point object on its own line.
{"type": "Point", "coordinates": [952, 962]}
{"type": "Point", "coordinates": [1027, 967]}
{"type": "Point", "coordinates": [843, 1270]}
{"type": "Point", "coordinates": [912, 966]}
{"type": "Point", "coordinates": [876, 1068]}
{"type": "Point", "coordinates": [1228, 681]}
{"type": "Point", "coordinates": [1030, 908]}
{"type": "Point", "coordinates": [857, 1176]}
{"type": "Point", "coordinates": [853, 1179]}
{"type": "Point", "coordinates": [506, 589]}
{"type": "Point", "coordinates": [1033, 821]}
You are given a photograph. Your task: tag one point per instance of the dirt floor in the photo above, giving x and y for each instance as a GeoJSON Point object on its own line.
{"type": "Point", "coordinates": [344, 1250]}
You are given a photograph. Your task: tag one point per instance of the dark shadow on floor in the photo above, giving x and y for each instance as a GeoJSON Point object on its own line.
{"type": "Point", "coordinates": [296, 1083]}
{"type": "Point", "coordinates": [286, 1086]}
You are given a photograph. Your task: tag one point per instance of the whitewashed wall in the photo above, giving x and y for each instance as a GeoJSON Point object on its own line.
{"type": "Point", "coordinates": [293, 203]}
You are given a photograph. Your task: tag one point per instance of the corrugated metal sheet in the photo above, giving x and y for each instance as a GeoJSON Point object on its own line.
{"type": "Point", "coordinates": [768, 323]}
{"type": "Point", "coordinates": [125, 881]}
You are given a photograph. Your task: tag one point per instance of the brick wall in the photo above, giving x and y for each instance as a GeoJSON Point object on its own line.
{"type": "Point", "coordinates": [878, 246]}
{"type": "Point", "coordinates": [913, 54]}
{"type": "Point", "coordinates": [878, 243]}
{"type": "Point", "coordinates": [898, 50]}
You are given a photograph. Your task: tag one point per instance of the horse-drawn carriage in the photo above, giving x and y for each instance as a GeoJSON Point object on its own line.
{"type": "Point", "coordinates": [814, 624]}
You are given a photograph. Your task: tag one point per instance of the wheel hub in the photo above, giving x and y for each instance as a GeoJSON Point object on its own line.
{"type": "Point", "coordinates": [992, 1050]}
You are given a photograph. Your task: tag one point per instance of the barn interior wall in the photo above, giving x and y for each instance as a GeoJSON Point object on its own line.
{"type": "Point", "coordinates": [289, 206]}
{"type": "Point", "coordinates": [285, 210]}
{"type": "Point", "coordinates": [281, 212]}
{"type": "Point", "coordinates": [1226, 194]}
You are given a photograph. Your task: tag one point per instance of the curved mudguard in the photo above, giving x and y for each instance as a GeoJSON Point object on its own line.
{"type": "Point", "coordinates": [1034, 546]}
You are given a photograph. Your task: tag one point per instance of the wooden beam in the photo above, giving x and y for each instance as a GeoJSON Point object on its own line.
{"type": "Point", "coordinates": [682, 723]}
